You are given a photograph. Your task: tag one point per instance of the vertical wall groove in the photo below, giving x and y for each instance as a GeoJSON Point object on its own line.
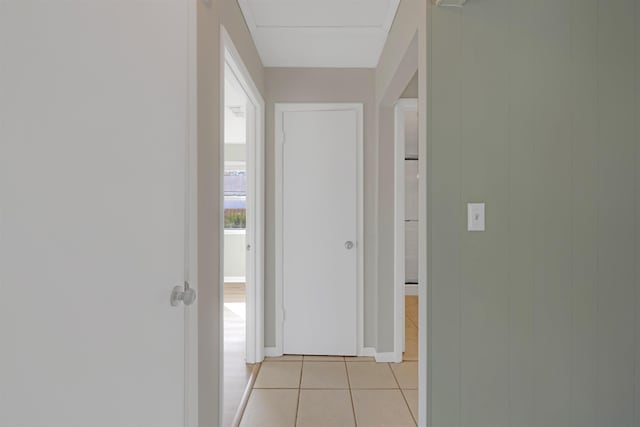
{"type": "Point", "coordinates": [597, 218]}
{"type": "Point", "coordinates": [459, 255]}
{"type": "Point", "coordinates": [508, 50]}
{"type": "Point", "coordinates": [637, 212]}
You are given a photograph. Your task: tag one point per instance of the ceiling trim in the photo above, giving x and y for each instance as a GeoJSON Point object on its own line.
{"type": "Point", "coordinates": [391, 15]}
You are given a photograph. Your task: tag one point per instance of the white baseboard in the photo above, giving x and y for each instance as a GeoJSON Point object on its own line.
{"type": "Point", "coordinates": [272, 352]}
{"type": "Point", "coordinates": [411, 290]}
{"type": "Point", "coordinates": [386, 357]}
{"type": "Point", "coordinates": [380, 357]}
{"type": "Point", "coordinates": [365, 352]}
{"type": "Point", "coordinates": [368, 352]}
{"type": "Point", "coordinates": [235, 279]}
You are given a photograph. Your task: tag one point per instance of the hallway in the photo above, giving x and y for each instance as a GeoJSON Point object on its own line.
{"type": "Point", "coordinates": [315, 391]}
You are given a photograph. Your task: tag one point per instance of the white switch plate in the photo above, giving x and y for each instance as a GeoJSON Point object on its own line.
{"type": "Point", "coordinates": [475, 216]}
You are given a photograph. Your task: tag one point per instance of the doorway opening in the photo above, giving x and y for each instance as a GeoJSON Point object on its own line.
{"type": "Point", "coordinates": [242, 255]}
{"type": "Point", "coordinates": [319, 148]}
{"type": "Point", "coordinates": [406, 214]}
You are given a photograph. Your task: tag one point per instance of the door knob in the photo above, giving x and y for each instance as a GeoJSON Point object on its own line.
{"type": "Point", "coordinates": [182, 293]}
{"type": "Point", "coordinates": [348, 244]}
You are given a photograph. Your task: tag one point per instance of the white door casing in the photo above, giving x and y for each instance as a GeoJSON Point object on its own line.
{"type": "Point", "coordinates": [95, 140]}
{"type": "Point", "coordinates": [319, 228]}
{"type": "Point", "coordinates": [231, 62]}
{"type": "Point", "coordinates": [403, 207]}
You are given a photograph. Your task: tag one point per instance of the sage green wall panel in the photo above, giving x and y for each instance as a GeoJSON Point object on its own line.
{"type": "Point", "coordinates": [584, 118]}
{"type": "Point", "coordinates": [520, 265]}
{"type": "Point", "coordinates": [616, 207]}
{"type": "Point", "coordinates": [484, 307]}
{"type": "Point", "coordinates": [637, 120]}
{"type": "Point", "coordinates": [446, 210]}
{"type": "Point", "coordinates": [534, 110]}
{"type": "Point", "coordinates": [552, 221]}
{"type": "Point", "coordinates": [385, 274]}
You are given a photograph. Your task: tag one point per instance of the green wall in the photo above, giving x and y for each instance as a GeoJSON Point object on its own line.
{"type": "Point", "coordinates": [534, 109]}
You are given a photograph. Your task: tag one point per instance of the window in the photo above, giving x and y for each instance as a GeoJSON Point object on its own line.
{"type": "Point", "coordinates": [235, 197]}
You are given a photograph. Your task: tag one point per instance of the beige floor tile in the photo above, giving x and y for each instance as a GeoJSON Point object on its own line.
{"type": "Point", "coordinates": [323, 358]}
{"type": "Point", "coordinates": [413, 317]}
{"type": "Point", "coordinates": [370, 375]}
{"type": "Point", "coordinates": [411, 396]}
{"type": "Point", "coordinates": [406, 373]}
{"type": "Point", "coordinates": [381, 408]}
{"type": "Point", "coordinates": [410, 349]}
{"type": "Point", "coordinates": [271, 408]}
{"type": "Point", "coordinates": [285, 358]}
{"type": "Point", "coordinates": [325, 408]}
{"type": "Point", "coordinates": [411, 309]}
{"type": "Point", "coordinates": [279, 375]}
{"type": "Point", "coordinates": [324, 375]}
{"type": "Point", "coordinates": [408, 324]}
{"type": "Point", "coordinates": [410, 331]}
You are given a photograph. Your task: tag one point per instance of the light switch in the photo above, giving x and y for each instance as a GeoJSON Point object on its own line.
{"type": "Point", "coordinates": [475, 216]}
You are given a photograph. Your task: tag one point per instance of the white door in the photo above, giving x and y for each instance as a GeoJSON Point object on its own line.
{"type": "Point", "coordinates": [319, 263]}
{"type": "Point", "coordinates": [93, 124]}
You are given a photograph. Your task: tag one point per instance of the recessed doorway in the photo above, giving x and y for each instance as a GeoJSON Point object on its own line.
{"type": "Point", "coordinates": [242, 255]}
{"type": "Point", "coordinates": [406, 198]}
{"type": "Point", "coordinates": [319, 229]}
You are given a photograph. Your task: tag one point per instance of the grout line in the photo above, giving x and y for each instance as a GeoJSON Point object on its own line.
{"type": "Point", "coordinates": [353, 407]}
{"type": "Point", "coordinates": [295, 422]}
{"type": "Point", "coordinates": [394, 375]}
{"type": "Point", "coordinates": [402, 394]}
{"type": "Point", "coordinates": [337, 389]}
{"type": "Point", "coordinates": [407, 403]}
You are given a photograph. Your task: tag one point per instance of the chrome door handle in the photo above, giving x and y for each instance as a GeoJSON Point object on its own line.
{"type": "Point", "coordinates": [348, 244]}
{"type": "Point", "coordinates": [182, 293]}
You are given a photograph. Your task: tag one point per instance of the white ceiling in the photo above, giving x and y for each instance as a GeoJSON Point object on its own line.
{"type": "Point", "coordinates": [319, 33]}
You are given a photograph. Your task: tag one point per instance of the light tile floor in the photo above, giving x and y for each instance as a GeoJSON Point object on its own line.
{"type": "Point", "coordinates": [410, 328]}
{"type": "Point", "coordinates": [310, 391]}
{"type": "Point", "coordinates": [324, 391]}
{"type": "Point", "coordinates": [236, 371]}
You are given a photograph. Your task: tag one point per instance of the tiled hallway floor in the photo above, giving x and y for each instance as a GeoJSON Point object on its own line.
{"type": "Point", "coordinates": [236, 371]}
{"type": "Point", "coordinates": [312, 391]}
{"type": "Point", "coordinates": [317, 391]}
{"type": "Point", "coordinates": [410, 328]}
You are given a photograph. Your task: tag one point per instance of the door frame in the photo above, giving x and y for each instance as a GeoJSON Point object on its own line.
{"type": "Point", "coordinates": [191, 394]}
{"type": "Point", "coordinates": [402, 106]}
{"type": "Point", "coordinates": [280, 109]}
{"type": "Point", "coordinates": [230, 56]}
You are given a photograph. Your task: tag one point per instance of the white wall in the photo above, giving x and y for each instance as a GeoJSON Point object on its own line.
{"type": "Point", "coordinates": [235, 255]}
